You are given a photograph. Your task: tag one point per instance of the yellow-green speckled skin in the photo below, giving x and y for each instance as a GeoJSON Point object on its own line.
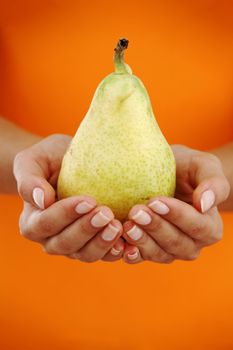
{"type": "Point", "coordinates": [118, 155]}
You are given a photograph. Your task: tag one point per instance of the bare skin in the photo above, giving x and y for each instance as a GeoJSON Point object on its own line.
{"type": "Point", "coordinates": [189, 220]}
{"type": "Point", "coordinates": [13, 140]}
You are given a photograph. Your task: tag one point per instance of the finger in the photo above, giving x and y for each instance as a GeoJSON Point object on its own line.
{"type": "Point", "coordinates": [100, 244]}
{"type": "Point", "coordinates": [149, 248]}
{"type": "Point", "coordinates": [132, 254]}
{"type": "Point", "coordinates": [205, 228]}
{"type": "Point", "coordinates": [212, 187]}
{"type": "Point", "coordinates": [116, 252]}
{"type": "Point", "coordinates": [36, 169]}
{"type": "Point", "coordinates": [76, 235]}
{"type": "Point", "coordinates": [166, 235]}
{"type": "Point", "coordinates": [31, 173]}
{"type": "Point", "coordinates": [38, 225]}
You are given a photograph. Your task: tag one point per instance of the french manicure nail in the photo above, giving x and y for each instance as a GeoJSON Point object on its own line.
{"type": "Point", "coordinates": [100, 220]}
{"type": "Point", "coordinates": [110, 232]}
{"type": "Point", "coordinates": [135, 233]}
{"type": "Point", "coordinates": [115, 251]}
{"type": "Point", "coordinates": [83, 207]}
{"type": "Point", "coordinates": [38, 197]}
{"type": "Point", "coordinates": [159, 207]}
{"type": "Point", "coordinates": [142, 218]}
{"type": "Point", "coordinates": [133, 256]}
{"type": "Point", "coordinates": [207, 200]}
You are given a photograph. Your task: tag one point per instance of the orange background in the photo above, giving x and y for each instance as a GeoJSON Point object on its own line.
{"type": "Point", "coordinates": [52, 56]}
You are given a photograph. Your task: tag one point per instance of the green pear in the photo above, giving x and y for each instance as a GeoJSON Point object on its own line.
{"type": "Point", "coordinates": [119, 156]}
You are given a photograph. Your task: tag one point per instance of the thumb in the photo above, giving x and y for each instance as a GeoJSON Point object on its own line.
{"type": "Point", "coordinates": [31, 171]}
{"type": "Point", "coordinates": [212, 185]}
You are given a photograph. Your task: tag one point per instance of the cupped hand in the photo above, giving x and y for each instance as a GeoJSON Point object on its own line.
{"type": "Point", "coordinates": [74, 227]}
{"type": "Point", "coordinates": [178, 228]}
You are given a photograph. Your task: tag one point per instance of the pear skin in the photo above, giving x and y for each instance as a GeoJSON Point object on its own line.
{"type": "Point", "coordinates": [119, 155]}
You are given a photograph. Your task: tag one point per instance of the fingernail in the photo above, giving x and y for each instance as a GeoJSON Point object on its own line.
{"type": "Point", "coordinates": [142, 218]}
{"type": "Point", "coordinates": [159, 207]}
{"type": "Point", "coordinates": [100, 220]}
{"type": "Point", "coordinates": [207, 200]}
{"type": "Point", "coordinates": [115, 251]}
{"type": "Point", "coordinates": [110, 232]}
{"type": "Point", "coordinates": [38, 197]}
{"type": "Point", "coordinates": [133, 256]}
{"type": "Point", "coordinates": [83, 207]}
{"type": "Point", "coordinates": [135, 233]}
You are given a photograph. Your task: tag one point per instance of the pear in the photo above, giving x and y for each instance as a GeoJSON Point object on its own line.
{"type": "Point", "coordinates": [119, 156]}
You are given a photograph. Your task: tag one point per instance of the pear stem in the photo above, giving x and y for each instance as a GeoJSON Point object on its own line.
{"type": "Point", "coordinates": [120, 66]}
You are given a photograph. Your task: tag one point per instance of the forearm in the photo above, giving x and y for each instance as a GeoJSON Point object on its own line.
{"type": "Point", "coordinates": [225, 154]}
{"type": "Point", "coordinates": [12, 140]}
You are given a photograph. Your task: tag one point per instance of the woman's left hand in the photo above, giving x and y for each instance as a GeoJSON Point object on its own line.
{"type": "Point", "coordinates": [178, 228]}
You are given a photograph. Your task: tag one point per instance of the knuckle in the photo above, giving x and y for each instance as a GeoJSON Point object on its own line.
{"type": "Point", "coordinates": [198, 229]}
{"type": "Point", "coordinates": [206, 156]}
{"type": "Point", "coordinates": [167, 259]}
{"type": "Point", "coordinates": [103, 245]}
{"type": "Point", "coordinates": [74, 256]}
{"type": "Point", "coordinates": [48, 250]}
{"type": "Point", "coordinates": [226, 189]}
{"type": "Point", "coordinates": [64, 246]}
{"type": "Point", "coordinates": [160, 256]}
{"type": "Point", "coordinates": [215, 234]}
{"type": "Point", "coordinates": [24, 229]}
{"type": "Point", "coordinates": [217, 237]}
{"type": "Point", "coordinates": [85, 229]}
{"type": "Point", "coordinates": [88, 258]}
{"type": "Point", "coordinates": [214, 158]}
{"type": "Point", "coordinates": [174, 242]}
{"type": "Point", "coordinates": [192, 255]}
{"type": "Point", "coordinates": [44, 224]}
{"type": "Point", "coordinates": [18, 157]}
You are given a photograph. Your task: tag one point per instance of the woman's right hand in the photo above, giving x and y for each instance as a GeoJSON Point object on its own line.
{"type": "Point", "coordinates": [74, 227]}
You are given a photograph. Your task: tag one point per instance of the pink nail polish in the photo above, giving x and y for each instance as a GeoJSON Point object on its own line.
{"type": "Point", "coordinates": [115, 251]}
{"type": "Point", "coordinates": [135, 233]}
{"type": "Point", "coordinates": [142, 218]}
{"type": "Point", "coordinates": [83, 207]}
{"type": "Point", "coordinates": [110, 232]}
{"type": "Point", "coordinates": [100, 220]}
{"type": "Point", "coordinates": [159, 207]}
{"type": "Point", "coordinates": [207, 200]}
{"type": "Point", "coordinates": [133, 256]}
{"type": "Point", "coordinates": [38, 197]}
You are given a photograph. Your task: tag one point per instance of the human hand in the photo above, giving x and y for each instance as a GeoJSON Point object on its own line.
{"type": "Point", "coordinates": [74, 227]}
{"type": "Point", "coordinates": [178, 228]}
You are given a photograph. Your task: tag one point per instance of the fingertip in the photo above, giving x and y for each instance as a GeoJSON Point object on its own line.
{"type": "Point", "coordinates": [106, 211]}
{"type": "Point", "coordinates": [159, 205]}
{"type": "Point", "coordinates": [118, 248]}
{"type": "Point", "coordinates": [127, 226]}
{"type": "Point", "coordinates": [116, 223]}
{"type": "Point", "coordinates": [86, 198]}
{"type": "Point", "coordinates": [43, 195]}
{"type": "Point", "coordinates": [210, 193]}
{"type": "Point", "coordinates": [207, 200]}
{"type": "Point", "coordinates": [135, 209]}
{"type": "Point", "coordinates": [85, 204]}
{"type": "Point", "coordinates": [38, 197]}
{"type": "Point", "coordinates": [131, 254]}
{"type": "Point", "coordinates": [37, 191]}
